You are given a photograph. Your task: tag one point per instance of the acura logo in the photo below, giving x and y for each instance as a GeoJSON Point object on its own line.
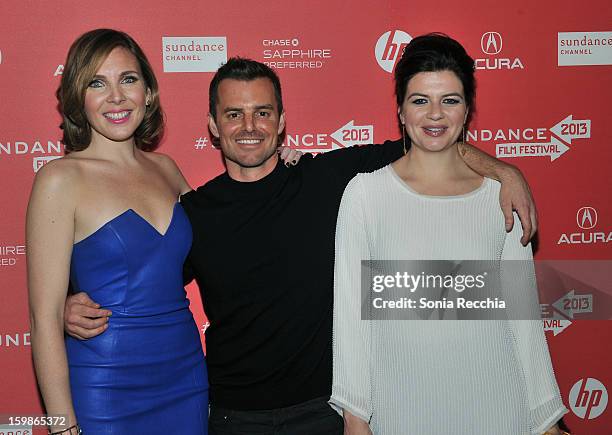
{"type": "Point", "coordinates": [491, 43]}
{"type": "Point", "coordinates": [586, 218]}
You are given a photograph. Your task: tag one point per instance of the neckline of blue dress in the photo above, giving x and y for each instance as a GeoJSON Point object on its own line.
{"type": "Point", "coordinates": [135, 213]}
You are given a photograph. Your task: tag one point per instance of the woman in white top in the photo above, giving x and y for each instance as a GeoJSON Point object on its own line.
{"type": "Point", "coordinates": [433, 377]}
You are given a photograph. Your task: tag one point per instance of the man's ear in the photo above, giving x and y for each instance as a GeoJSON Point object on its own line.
{"type": "Point", "coordinates": [281, 123]}
{"type": "Point", "coordinates": [212, 126]}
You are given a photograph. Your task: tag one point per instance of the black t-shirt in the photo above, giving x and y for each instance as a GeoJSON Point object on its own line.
{"type": "Point", "coordinates": [263, 257]}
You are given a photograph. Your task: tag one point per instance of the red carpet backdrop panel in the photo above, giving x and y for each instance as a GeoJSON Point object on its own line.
{"type": "Point", "coordinates": [544, 74]}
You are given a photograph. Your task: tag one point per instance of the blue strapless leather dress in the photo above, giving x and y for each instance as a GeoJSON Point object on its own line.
{"type": "Point", "coordinates": [146, 373]}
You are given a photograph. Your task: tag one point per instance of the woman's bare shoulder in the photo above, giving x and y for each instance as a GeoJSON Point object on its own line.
{"type": "Point", "coordinates": [56, 186]}
{"type": "Point", "coordinates": [165, 162]}
{"type": "Point", "coordinates": [59, 172]}
{"type": "Point", "coordinates": [170, 169]}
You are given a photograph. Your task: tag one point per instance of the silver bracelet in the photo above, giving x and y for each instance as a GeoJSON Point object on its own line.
{"type": "Point", "coordinates": [68, 431]}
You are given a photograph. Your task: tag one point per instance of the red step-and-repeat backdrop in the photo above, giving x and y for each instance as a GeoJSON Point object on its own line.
{"type": "Point", "coordinates": [543, 103]}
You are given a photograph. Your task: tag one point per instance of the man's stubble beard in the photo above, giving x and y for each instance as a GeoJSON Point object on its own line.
{"type": "Point", "coordinates": [246, 164]}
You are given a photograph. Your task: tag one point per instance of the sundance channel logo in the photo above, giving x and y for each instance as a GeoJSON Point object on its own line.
{"type": "Point", "coordinates": [390, 47]}
{"type": "Point", "coordinates": [584, 48]}
{"type": "Point", "coordinates": [16, 429]}
{"type": "Point", "coordinates": [194, 53]}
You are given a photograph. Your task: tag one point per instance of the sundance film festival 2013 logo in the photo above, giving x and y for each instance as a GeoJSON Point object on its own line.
{"type": "Point", "coordinates": [193, 53]}
{"type": "Point", "coordinates": [390, 47]}
{"type": "Point", "coordinates": [588, 398]}
{"type": "Point", "coordinates": [556, 325]}
{"type": "Point", "coordinates": [587, 221]}
{"type": "Point", "coordinates": [348, 135]}
{"type": "Point", "coordinates": [535, 142]}
{"type": "Point", "coordinates": [572, 290]}
{"type": "Point", "coordinates": [492, 44]}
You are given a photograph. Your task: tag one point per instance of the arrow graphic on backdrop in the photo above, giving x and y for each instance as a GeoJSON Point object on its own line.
{"type": "Point", "coordinates": [569, 129]}
{"type": "Point", "coordinates": [554, 149]}
{"type": "Point", "coordinates": [306, 149]}
{"type": "Point", "coordinates": [556, 324]}
{"type": "Point", "coordinates": [350, 134]}
{"type": "Point", "coordinates": [572, 304]}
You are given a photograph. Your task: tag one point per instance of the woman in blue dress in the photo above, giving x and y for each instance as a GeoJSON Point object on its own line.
{"type": "Point", "coordinates": [106, 219]}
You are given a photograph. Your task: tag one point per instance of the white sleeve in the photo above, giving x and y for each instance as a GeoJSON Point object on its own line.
{"type": "Point", "coordinates": [518, 275]}
{"type": "Point", "coordinates": [351, 388]}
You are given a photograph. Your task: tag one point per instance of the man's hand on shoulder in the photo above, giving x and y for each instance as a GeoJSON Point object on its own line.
{"type": "Point", "coordinates": [83, 318]}
{"type": "Point", "coordinates": [516, 195]}
{"type": "Point", "coordinates": [289, 156]}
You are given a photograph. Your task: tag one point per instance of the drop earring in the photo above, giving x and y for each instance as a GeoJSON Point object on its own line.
{"type": "Point", "coordinates": [404, 136]}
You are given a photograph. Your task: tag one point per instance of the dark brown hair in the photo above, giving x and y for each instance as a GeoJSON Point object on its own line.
{"type": "Point", "coordinates": [431, 53]}
{"type": "Point", "coordinates": [85, 56]}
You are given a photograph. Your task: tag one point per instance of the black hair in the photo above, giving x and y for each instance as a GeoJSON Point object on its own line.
{"type": "Point", "coordinates": [435, 52]}
{"type": "Point", "coordinates": [239, 68]}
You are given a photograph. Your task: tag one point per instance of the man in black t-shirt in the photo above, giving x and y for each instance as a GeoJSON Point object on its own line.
{"type": "Point", "coordinates": [268, 292]}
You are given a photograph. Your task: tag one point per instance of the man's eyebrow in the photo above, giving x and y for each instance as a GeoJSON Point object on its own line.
{"type": "Point", "coordinates": [232, 109]}
{"type": "Point", "coordinates": [240, 109]}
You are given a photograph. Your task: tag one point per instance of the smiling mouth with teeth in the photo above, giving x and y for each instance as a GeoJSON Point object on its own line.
{"type": "Point", "coordinates": [117, 115]}
{"type": "Point", "coordinates": [248, 141]}
{"type": "Point", "coordinates": [434, 131]}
